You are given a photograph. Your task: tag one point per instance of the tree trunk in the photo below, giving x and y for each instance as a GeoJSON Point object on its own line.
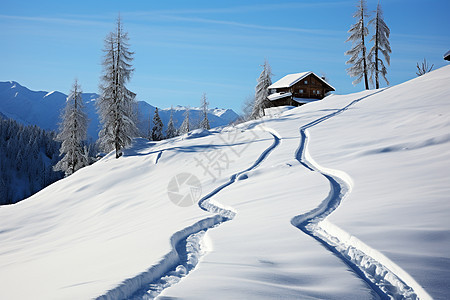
{"type": "Point", "coordinates": [366, 81]}
{"type": "Point", "coordinates": [117, 142]}
{"type": "Point", "coordinates": [377, 37]}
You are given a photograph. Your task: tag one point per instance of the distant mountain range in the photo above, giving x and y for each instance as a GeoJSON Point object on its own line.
{"type": "Point", "coordinates": [44, 108]}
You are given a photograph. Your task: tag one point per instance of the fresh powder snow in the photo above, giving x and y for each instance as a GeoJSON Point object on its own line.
{"type": "Point", "coordinates": [343, 198]}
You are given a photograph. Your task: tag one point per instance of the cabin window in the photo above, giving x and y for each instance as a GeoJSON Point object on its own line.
{"type": "Point", "coordinates": [312, 81]}
{"type": "Point", "coordinates": [318, 92]}
{"type": "Point", "coordinates": [314, 92]}
{"type": "Point", "coordinates": [306, 81]}
{"type": "Point", "coordinates": [300, 91]}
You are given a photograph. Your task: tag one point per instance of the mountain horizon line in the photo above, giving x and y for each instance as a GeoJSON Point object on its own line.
{"type": "Point", "coordinates": [43, 108]}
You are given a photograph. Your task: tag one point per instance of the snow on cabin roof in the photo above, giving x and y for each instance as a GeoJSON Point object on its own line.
{"type": "Point", "coordinates": [447, 55]}
{"type": "Point", "coordinates": [291, 79]}
{"type": "Point", "coordinates": [276, 96]}
{"type": "Point", "coordinates": [304, 100]}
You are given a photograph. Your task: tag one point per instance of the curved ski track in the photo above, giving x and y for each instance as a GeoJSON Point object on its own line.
{"type": "Point", "coordinates": [186, 244]}
{"type": "Point", "coordinates": [386, 278]}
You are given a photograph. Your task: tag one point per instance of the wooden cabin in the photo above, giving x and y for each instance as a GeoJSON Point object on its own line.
{"type": "Point", "coordinates": [298, 89]}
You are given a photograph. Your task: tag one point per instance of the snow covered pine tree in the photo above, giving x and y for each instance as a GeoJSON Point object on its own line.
{"type": "Point", "coordinates": [204, 111]}
{"type": "Point", "coordinates": [261, 91]}
{"type": "Point", "coordinates": [358, 54]}
{"type": "Point", "coordinates": [72, 133]}
{"type": "Point", "coordinates": [185, 126]}
{"type": "Point", "coordinates": [27, 157]}
{"type": "Point", "coordinates": [157, 127]}
{"type": "Point", "coordinates": [381, 44]}
{"type": "Point", "coordinates": [171, 131]}
{"type": "Point", "coordinates": [116, 103]}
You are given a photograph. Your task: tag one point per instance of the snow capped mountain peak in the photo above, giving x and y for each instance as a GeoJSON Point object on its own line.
{"type": "Point", "coordinates": [179, 107]}
{"type": "Point", "coordinates": [13, 84]}
{"type": "Point", "coordinates": [92, 97]}
{"type": "Point", "coordinates": [50, 93]}
{"type": "Point", "coordinates": [43, 109]}
{"type": "Point", "coordinates": [219, 112]}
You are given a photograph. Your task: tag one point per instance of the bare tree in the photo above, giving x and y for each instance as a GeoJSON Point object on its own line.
{"type": "Point", "coordinates": [72, 134]}
{"type": "Point", "coordinates": [204, 111]}
{"type": "Point", "coordinates": [247, 107]}
{"type": "Point", "coordinates": [116, 104]}
{"type": "Point", "coordinates": [423, 68]}
{"type": "Point", "coordinates": [381, 44]}
{"type": "Point", "coordinates": [358, 59]}
{"type": "Point", "coordinates": [261, 91]}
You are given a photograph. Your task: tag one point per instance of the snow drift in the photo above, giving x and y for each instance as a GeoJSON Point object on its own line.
{"type": "Point", "coordinates": [109, 224]}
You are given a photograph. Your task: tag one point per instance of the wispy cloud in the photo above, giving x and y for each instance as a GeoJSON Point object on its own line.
{"type": "Point", "coordinates": [101, 21]}
{"type": "Point", "coordinates": [246, 25]}
{"type": "Point", "coordinates": [245, 8]}
{"type": "Point", "coordinates": [68, 21]}
{"type": "Point", "coordinates": [443, 39]}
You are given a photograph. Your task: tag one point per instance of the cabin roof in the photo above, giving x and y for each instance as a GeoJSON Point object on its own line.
{"type": "Point", "coordinates": [447, 55]}
{"type": "Point", "coordinates": [291, 79]}
{"type": "Point", "coordinates": [276, 96]}
{"type": "Point", "coordinates": [304, 100]}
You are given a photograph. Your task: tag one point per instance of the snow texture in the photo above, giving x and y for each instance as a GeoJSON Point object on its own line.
{"type": "Point", "coordinates": [363, 176]}
{"type": "Point", "coordinates": [386, 278]}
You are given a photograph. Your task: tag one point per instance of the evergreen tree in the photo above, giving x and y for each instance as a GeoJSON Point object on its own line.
{"type": "Point", "coordinates": [171, 131]}
{"type": "Point", "coordinates": [150, 126]}
{"type": "Point", "coordinates": [204, 111]}
{"type": "Point", "coordinates": [72, 134]}
{"type": "Point", "coordinates": [381, 44]}
{"type": "Point", "coordinates": [116, 104]}
{"type": "Point", "coordinates": [157, 134]}
{"type": "Point", "coordinates": [185, 126]}
{"type": "Point", "coordinates": [358, 59]}
{"type": "Point", "coordinates": [27, 156]}
{"type": "Point", "coordinates": [261, 91]}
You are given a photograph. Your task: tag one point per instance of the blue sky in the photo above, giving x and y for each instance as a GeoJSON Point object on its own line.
{"type": "Point", "coordinates": [185, 48]}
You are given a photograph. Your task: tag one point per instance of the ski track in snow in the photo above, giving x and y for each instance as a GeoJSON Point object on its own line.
{"type": "Point", "coordinates": [158, 157]}
{"type": "Point", "coordinates": [186, 244]}
{"type": "Point", "coordinates": [386, 278]}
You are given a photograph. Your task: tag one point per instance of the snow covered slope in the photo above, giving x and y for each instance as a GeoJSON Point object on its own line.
{"type": "Point", "coordinates": [345, 198]}
{"type": "Point", "coordinates": [43, 109]}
